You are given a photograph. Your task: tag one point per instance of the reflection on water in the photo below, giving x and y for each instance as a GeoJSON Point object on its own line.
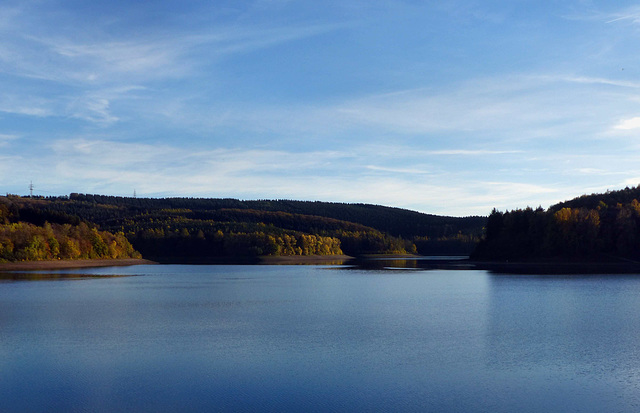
{"type": "Point", "coordinates": [50, 276]}
{"type": "Point", "coordinates": [423, 263]}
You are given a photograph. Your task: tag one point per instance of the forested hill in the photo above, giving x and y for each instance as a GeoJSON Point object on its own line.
{"type": "Point", "coordinates": [596, 227]}
{"type": "Point", "coordinates": [201, 227]}
{"type": "Point", "coordinates": [394, 221]}
{"type": "Point", "coordinates": [609, 198]}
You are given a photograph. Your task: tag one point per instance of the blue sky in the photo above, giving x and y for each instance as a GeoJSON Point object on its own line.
{"type": "Point", "coordinates": [445, 107]}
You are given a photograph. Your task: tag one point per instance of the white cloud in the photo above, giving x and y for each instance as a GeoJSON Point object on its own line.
{"type": "Point", "coordinates": [628, 124]}
{"type": "Point", "coordinates": [635, 181]}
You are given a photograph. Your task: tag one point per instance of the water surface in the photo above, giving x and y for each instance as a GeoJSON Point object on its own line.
{"type": "Point", "coordinates": [312, 338]}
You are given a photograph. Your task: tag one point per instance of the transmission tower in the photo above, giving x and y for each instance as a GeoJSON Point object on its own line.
{"type": "Point", "coordinates": [31, 189]}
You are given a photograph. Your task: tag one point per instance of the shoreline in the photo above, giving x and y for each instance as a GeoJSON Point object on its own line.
{"type": "Point", "coordinates": [259, 260]}
{"type": "Point", "coordinates": [373, 261]}
{"type": "Point", "coordinates": [69, 264]}
{"type": "Point", "coordinates": [305, 259]}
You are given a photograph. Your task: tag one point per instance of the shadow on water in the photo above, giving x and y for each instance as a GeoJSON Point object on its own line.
{"type": "Point", "coordinates": [411, 263]}
{"type": "Point", "coordinates": [52, 276]}
{"type": "Point", "coordinates": [548, 269]}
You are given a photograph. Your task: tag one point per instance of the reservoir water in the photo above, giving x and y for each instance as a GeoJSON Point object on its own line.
{"type": "Point", "coordinates": [313, 338]}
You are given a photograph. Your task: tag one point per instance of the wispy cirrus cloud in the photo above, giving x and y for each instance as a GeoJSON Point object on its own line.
{"type": "Point", "coordinates": [600, 81]}
{"type": "Point", "coordinates": [140, 156]}
{"type": "Point", "coordinates": [79, 75]}
{"type": "Point", "coordinates": [96, 105]}
{"type": "Point", "coordinates": [524, 103]}
{"type": "Point", "coordinates": [511, 108]}
{"type": "Point", "coordinates": [594, 13]}
{"type": "Point", "coordinates": [244, 40]}
{"type": "Point", "coordinates": [102, 60]}
{"type": "Point", "coordinates": [147, 56]}
{"type": "Point", "coordinates": [93, 106]}
{"type": "Point", "coordinates": [631, 14]}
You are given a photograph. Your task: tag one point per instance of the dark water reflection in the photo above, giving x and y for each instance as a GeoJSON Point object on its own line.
{"type": "Point", "coordinates": [422, 263]}
{"type": "Point", "coordinates": [305, 338]}
{"type": "Point", "coordinates": [50, 276]}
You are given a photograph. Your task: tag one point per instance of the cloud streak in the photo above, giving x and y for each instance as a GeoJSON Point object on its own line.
{"type": "Point", "coordinates": [631, 14]}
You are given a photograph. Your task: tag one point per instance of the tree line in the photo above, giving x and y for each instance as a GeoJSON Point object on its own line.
{"type": "Point", "coordinates": [202, 227]}
{"type": "Point", "coordinates": [41, 240]}
{"type": "Point", "coordinates": [23, 241]}
{"type": "Point", "coordinates": [283, 234]}
{"type": "Point", "coordinates": [586, 229]}
{"type": "Point", "coordinates": [167, 245]}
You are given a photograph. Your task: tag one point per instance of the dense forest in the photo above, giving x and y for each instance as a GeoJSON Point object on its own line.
{"type": "Point", "coordinates": [25, 241]}
{"type": "Point", "coordinates": [597, 227]}
{"type": "Point", "coordinates": [175, 229]}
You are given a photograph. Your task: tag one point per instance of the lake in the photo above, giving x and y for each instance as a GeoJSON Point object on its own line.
{"type": "Point", "coordinates": [317, 338]}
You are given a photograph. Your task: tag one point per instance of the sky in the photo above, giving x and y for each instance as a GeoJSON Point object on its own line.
{"type": "Point", "coordinates": [444, 107]}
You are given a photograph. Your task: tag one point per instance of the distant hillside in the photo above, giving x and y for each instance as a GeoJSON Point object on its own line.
{"type": "Point", "coordinates": [596, 227]}
{"type": "Point", "coordinates": [202, 227]}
